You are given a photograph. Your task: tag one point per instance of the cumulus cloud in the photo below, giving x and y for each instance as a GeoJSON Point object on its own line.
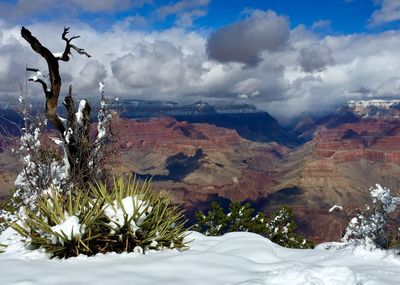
{"type": "Point", "coordinates": [300, 71]}
{"type": "Point", "coordinates": [186, 19]}
{"type": "Point", "coordinates": [315, 57]}
{"type": "Point", "coordinates": [388, 88]}
{"type": "Point", "coordinates": [158, 65]}
{"type": "Point", "coordinates": [321, 24]}
{"type": "Point", "coordinates": [90, 76]}
{"type": "Point", "coordinates": [389, 11]}
{"type": "Point", "coordinates": [185, 12]}
{"type": "Point", "coordinates": [12, 66]}
{"type": "Point", "coordinates": [245, 40]}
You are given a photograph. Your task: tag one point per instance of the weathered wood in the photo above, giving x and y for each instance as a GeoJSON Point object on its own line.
{"type": "Point", "coordinates": [74, 133]}
{"type": "Point", "coordinates": [53, 92]}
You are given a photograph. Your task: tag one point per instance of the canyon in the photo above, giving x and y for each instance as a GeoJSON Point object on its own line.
{"type": "Point", "coordinates": [204, 154]}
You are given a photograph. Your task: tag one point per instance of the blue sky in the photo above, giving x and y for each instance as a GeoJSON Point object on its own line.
{"type": "Point", "coordinates": [284, 56]}
{"type": "Point", "coordinates": [344, 16]}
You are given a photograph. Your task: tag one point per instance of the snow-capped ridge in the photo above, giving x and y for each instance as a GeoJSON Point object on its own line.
{"type": "Point", "coordinates": [375, 109]}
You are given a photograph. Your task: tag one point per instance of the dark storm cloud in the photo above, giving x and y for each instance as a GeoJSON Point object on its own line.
{"type": "Point", "coordinates": [90, 76]}
{"type": "Point", "coordinates": [13, 61]}
{"type": "Point", "coordinates": [315, 57]}
{"type": "Point", "coordinates": [244, 41]}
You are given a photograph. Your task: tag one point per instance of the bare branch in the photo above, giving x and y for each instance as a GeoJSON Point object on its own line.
{"type": "Point", "coordinates": [55, 79]}
{"type": "Point", "coordinates": [52, 94]}
{"type": "Point", "coordinates": [44, 85]}
{"type": "Point", "coordinates": [81, 51]}
{"type": "Point", "coordinates": [68, 46]}
{"type": "Point", "coordinates": [32, 69]}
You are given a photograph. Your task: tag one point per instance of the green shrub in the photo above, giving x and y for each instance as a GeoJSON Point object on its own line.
{"type": "Point", "coordinates": [2, 246]}
{"type": "Point", "coordinates": [8, 208]}
{"type": "Point", "coordinates": [141, 219]}
{"type": "Point", "coordinates": [64, 226]}
{"type": "Point", "coordinates": [279, 227]}
{"type": "Point", "coordinates": [128, 217]}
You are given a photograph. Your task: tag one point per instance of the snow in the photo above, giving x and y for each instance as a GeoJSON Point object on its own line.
{"type": "Point", "coordinates": [79, 114]}
{"type": "Point", "coordinates": [58, 54]}
{"type": "Point", "coordinates": [70, 228]}
{"type": "Point", "coordinates": [101, 87]}
{"type": "Point", "coordinates": [382, 194]}
{"type": "Point", "coordinates": [132, 209]}
{"type": "Point", "coordinates": [368, 227]}
{"type": "Point", "coordinates": [335, 208]}
{"type": "Point", "coordinates": [36, 77]}
{"type": "Point", "coordinates": [386, 104]}
{"type": "Point", "coordinates": [235, 258]}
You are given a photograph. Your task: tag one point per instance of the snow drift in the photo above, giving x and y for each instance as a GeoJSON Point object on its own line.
{"type": "Point", "coordinates": [235, 258]}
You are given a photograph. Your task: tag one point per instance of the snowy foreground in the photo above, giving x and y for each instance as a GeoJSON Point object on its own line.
{"type": "Point", "coordinates": [235, 258]}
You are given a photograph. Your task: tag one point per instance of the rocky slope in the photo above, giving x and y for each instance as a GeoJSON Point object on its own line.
{"type": "Point", "coordinates": [196, 160]}
{"type": "Point", "coordinates": [249, 122]}
{"type": "Point", "coordinates": [347, 152]}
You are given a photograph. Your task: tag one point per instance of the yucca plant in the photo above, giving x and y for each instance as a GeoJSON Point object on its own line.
{"type": "Point", "coordinates": [2, 246]}
{"type": "Point", "coordinates": [64, 226]}
{"type": "Point", "coordinates": [126, 217]}
{"type": "Point", "coordinates": [139, 219]}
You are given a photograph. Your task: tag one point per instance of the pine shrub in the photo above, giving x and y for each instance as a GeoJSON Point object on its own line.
{"type": "Point", "coordinates": [279, 227]}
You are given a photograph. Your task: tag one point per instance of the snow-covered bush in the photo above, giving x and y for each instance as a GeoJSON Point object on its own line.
{"type": "Point", "coordinates": [279, 227]}
{"type": "Point", "coordinates": [64, 226]}
{"type": "Point", "coordinates": [138, 219]}
{"type": "Point", "coordinates": [42, 168]}
{"type": "Point", "coordinates": [369, 227]}
{"type": "Point", "coordinates": [128, 217]}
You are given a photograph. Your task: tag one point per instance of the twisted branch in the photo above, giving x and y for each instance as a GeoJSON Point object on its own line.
{"type": "Point", "coordinates": [53, 93]}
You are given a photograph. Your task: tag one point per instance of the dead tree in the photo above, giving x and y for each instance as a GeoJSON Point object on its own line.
{"type": "Point", "coordinates": [74, 130]}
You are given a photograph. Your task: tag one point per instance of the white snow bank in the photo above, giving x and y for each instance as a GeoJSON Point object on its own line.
{"type": "Point", "coordinates": [70, 228]}
{"type": "Point", "coordinates": [235, 258]}
{"type": "Point", "coordinates": [133, 210]}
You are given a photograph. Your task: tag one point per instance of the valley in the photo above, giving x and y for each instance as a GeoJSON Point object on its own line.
{"type": "Point", "coordinates": [201, 153]}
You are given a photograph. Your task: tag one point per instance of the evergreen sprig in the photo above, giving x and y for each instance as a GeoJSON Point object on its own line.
{"type": "Point", "coordinates": [279, 227]}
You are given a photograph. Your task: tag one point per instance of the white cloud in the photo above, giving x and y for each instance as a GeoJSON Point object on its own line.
{"type": "Point", "coordinates": [321, 24]}
{"type": "Point", "coordinates": [389, 12]}
{"type": "Point", "coordinates": [186, 19]}
{"type": "Point", "coordinates": [90, 76]}
{"type": "Point", "coordinates": [296, 75]}
{"type": "Point", "coordinates": [181, 6]}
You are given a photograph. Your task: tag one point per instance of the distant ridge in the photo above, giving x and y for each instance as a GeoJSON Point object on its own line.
{"type": "Point", "coordinates": [247, 120]}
